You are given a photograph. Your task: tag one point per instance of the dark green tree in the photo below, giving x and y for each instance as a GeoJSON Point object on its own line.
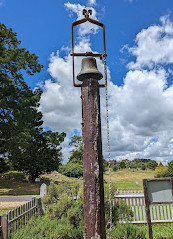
{"type": "Point", "coordinates": [42, 154]}
{"type": "Point", "coordinates": [15, 95]}
{"type": "Point", "coordinates": [122, 165]}
{"type": "Point", "coordinates": [22, 140]}
{"type": "Point", "coordinates": [152, 164]}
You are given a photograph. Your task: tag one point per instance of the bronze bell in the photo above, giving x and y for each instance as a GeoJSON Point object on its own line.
{"type": "Point", "coordinates": [89, 69]}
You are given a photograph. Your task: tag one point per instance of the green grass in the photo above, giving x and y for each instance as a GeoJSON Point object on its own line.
{"type": "Point", "coordinates": [126, 179]}
{"type": "Point", "coordinates": [163, 231]}
{"type": "Point", "coordinates": [16, 183]}
{"type": "Point", "coordinates": [2, 211]}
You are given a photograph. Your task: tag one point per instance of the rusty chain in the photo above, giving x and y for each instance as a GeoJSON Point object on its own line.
{"type": "Point", "coordinates": [108, 147]}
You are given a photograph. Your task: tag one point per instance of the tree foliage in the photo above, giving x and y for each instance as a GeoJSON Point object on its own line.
{"type": "Point", "coordinates": [76, 153]}
{"type": "Point", "coordinates": [22, 140]}
{"type": "Point", "coordinates": [160, 171]}
{"type": "Point", "coordinates": [71, 170]}
{"type": "Point", "coordinates": [16, 98]}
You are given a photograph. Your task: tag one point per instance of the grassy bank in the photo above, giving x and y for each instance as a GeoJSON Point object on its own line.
{"type": "Point", "coordinates": [16, 183]}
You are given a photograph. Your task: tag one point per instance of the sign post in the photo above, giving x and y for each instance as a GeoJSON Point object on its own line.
{"type": "Point", "coordinates": [156, 191]}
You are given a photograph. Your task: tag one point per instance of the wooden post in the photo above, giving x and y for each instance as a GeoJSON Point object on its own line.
{"type": "Point", "coordinates": [39, 206]}
{"type": "Point", "coordinates": [94, 212]}
{"type": "Point", "coordinates": [4, 225]}
{"type": "Point", "coordinates": [147, 205]}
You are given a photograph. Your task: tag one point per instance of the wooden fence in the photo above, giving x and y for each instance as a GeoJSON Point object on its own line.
{"type": "Point", "coordinates": [18, 217]}
{"type": "Point", "coordinates": [160, 213]}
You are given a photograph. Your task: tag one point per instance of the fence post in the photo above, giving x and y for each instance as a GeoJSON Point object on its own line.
{"type": "Point", "coordinates": [4, 225]}
{"type": "Point", "coordinates": [39, 206]}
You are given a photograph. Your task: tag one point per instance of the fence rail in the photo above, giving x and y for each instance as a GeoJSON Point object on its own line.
{"type": "Point", "coordinates": [160, 213]}
{"type": "Point", "coordinates": [18, 217]}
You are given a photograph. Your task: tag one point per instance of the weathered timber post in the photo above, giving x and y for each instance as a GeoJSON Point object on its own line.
{"type": "Point", "coordinates": [4, 225]}
{"type": "Point", "coordinates": [39, 206]}
{"type": "Point", "coordinates": [94, 213]}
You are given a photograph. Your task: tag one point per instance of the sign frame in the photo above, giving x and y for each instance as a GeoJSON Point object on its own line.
{"type": "Point", "coordinates": [148, 201]}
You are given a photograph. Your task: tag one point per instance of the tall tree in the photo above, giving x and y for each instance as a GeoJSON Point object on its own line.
{"type": "Point", "coordinates": [22, 140]}
{"type": "Point", "coordinates": [15, 95]}
{"type": "Point", "coordinates": [76, 153]}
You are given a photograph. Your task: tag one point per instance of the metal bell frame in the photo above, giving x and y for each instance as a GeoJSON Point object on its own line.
{"type": "Point", "coordinates": [101, 55]}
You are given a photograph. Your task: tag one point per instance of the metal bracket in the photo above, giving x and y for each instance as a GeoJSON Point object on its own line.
{"type": "Point", "coordinates": [103, 55]}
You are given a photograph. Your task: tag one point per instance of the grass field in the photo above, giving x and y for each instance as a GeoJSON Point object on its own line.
{"type": "Point", "coordinates": [15, 183]}
{"type": "Point", "coordinates": [126, 179]}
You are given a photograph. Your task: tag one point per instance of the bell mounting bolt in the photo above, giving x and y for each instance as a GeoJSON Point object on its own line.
{"type": "Point", "coordinates": [102, 56]}
{"type": "Point", "coordinates": [87, 13]}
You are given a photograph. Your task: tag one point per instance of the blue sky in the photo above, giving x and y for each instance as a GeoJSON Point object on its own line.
{"type": "Point", "coordinates": [139, 40]}
{"type": "Point", "coordinates": [45, 26]}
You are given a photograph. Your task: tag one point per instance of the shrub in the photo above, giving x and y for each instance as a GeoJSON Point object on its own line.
{"type": "Point", "coordinates": [128, 231]}
{"type": "Point", "coordinates": [120, 210]}
{"type": "Point", "coordinates": [143, 166]}
{"type": "Point", "coordinates": [160, 171]}
{"type": "Point", "coordinates": [64, 214]}
{"type": "Point", "coordinates": [115, 167]}
{"type": "Point", "coordinates": [71, 170]}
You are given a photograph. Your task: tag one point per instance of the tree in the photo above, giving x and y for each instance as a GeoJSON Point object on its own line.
{"type": "Point", "coordinates": [169, 172]}
{"type": "Point", "coordinates": [122, 165]}
{"type": "Point", "coordinates": [15, 95]}
{"type": "Point", "coordinates": [22, 139]}
{"type": "Point", "coordinates": [42, 155]}
{"type": "Point", "coordinates": [76, 153]}
{"type": "Point", "coordinates": [160, 171]}
{"type": "Point", "coordinates": [152, 164]}
{"type": "Point", "coordinates": [4, 167]}
{"type": "Point", "coordinates": [72, 170]}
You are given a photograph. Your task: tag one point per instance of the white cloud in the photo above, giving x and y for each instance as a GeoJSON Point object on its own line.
{"type": "Point", "coordinates": [91, 2]}
{"type": "Point", "coordinates": [154, 45]}
{"type": "Point", "coordinates": [140, 111]}
{"type": "Point", "coordinates": [85, 28]}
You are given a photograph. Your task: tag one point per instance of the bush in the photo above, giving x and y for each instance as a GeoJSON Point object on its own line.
{"type": "Point", "coordinates": [43, 227]}
{"type": "Point", "coordinates": [64, 214]}
{"type": "Point", "coordinates": [128, 231]}
{"type": "Point", "coordinates": [71, 170]}
{"type": "Point", "coordinates": [143, 166]}
{"type": "Point", "coordinates": [115, 167]}
{"type": "Point", "coordinates": [160, 171]}
{"type": "Point", "coordinates": [120, 210]}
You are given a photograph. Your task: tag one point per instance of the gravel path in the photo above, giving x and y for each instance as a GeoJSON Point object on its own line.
{"type": "Point", "coordinates": [15, 198]}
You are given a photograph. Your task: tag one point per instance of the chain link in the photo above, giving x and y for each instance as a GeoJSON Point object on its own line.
{"type": "Point", "coordinates": [108, 147]}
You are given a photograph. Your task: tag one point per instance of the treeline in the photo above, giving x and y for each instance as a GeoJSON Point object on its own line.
{"type": "Point", "coordinates": [74, 166]}
{"type": "Point", "coordinates": [134, 164]}
{"type": "Point", "coordinates": [24, 145]}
